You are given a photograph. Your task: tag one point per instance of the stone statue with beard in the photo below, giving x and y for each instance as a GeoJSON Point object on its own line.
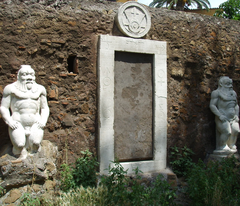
{"type": "Point", "coordinates": [29, 112]}
{"type": "Point", "coordinates": [225, 107]}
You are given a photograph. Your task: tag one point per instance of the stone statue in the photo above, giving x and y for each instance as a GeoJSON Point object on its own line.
{"type": "Point", "coordinates": [224, 105]}
{"type": "Point", "coordinates": [25, 110]}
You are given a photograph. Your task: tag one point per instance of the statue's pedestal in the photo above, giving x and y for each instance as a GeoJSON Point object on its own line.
{"type": "Point", "coordinates": [220, 154]}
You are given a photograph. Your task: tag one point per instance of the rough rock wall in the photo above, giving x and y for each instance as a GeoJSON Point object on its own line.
{"type": "Point", "coordinates": [200, 50]}
{"type": "Point", "coordinates": [50, 37]}
{"type": "Point", "coordinates": [46, 38]}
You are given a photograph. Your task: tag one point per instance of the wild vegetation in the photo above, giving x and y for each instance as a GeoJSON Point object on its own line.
{"type": "Point", "coordinates": [214, 184]}
{"type": "Point", "coordinates": [229, 10]}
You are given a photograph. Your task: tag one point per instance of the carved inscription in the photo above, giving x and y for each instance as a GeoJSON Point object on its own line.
{"type": "Point", "coordinates": [161, 75]}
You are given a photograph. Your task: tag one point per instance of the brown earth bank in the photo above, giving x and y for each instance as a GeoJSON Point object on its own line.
{"type": "Point", "coordinates": [59, 39]}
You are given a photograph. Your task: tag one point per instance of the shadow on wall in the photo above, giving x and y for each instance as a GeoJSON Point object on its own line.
{"type": "Point", "coordinates": [190, 83]}
{"type": "Point", "coordinates": [5, 139]}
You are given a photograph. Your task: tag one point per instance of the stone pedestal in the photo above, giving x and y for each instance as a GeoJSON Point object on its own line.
{"type": "Point", "coordinates": [37, 167]}
{"type": "Point", "coordinates": [220, 154]}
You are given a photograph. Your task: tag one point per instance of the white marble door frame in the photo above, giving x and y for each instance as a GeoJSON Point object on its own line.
{"type": "Point", "coordinates": [107, 47]}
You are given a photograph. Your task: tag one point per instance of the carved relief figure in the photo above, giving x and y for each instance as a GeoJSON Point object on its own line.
{"type": "Point", "coordinates": [224, 105]}
{"type": "Point", "coordinates": [25, 110]}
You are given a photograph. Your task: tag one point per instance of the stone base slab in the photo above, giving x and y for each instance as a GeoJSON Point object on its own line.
{"type": "Point", "coordinates": [224, 152]}
{"type": "Point", "coordinates": [219, 157]}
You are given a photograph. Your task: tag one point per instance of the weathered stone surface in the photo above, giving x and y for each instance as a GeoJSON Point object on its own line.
{"type": "Point", "coordinates": [110, 116]}
{"type": "Point", "coordinates": [14, 196]}
{"type": "Point", "coordinates": [49, 185]}
{"type": "Point", "coordinates": [132, 95]}
{"type": "Point", "coordinates": [53, 92]}
{"type": "Point", "coordinates": [133, 19]}
{"type": "Point", "coordinates": [38, 167]}
{"type": "Point", "coordinates": [67, 121]}
{"type": "Point", "coordinates": [202, 48]}
{"type": "Point", "coordinates": [172, 179]}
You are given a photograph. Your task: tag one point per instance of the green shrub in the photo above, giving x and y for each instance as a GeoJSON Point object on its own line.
{"type": "Point", "coordinates": [29, 200]}
{"type": "Point", "coordinates": [67, 180]}
{"type": "Point", "coordinates": [229, 10]}
{"type": "Point", "coordinates": [84, 172]}
{"type": "Point", "coordinates": [215, 184]}
{"type": "Point", "coordinates": [115, 189]}
{"type": "Point", "coordinates": [122, 190]}
{"type": "Point", "coordinates": [160, 193]}
{"type": "Point", "coordinates": [2, 191]}
{"type": "Point", "coordinates": [181, 160]}
{"type": "Point", "coordinates": [116, 184]}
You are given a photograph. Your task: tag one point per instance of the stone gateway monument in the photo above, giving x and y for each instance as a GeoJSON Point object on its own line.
{"type": "Point", "coordinates": [132, 90]}
{"type": "Point", "coordinates": [225, 107]}
{"type": "Point", "coordinates": [25, 110]}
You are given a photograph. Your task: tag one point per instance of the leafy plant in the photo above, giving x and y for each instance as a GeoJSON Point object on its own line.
{"type": "Point", "coordinates": [181, 160]}
{"type": "Point", "coordinates": [116, 184]}
{"type": "Point", "coordinates": [29, 200]}
{"type": "Point", "coordinates": [122, 190]}
{"type": "Point", "coordinates": [215, 184]}
{"type": "Point", "coordinates": [67, 180]}
{"type": "Point", "coordinates": [229, 10]}
{"type": "Point", "coordinates": [84, 172]}
{"type": "Point", "coordinates": [2, 191]}
{"type": "Point", "coordinates": [137, 190]}
{"type": "Point", "coordinates": [160, 193]}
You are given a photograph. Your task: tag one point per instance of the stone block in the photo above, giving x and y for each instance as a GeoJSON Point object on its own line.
{"type": "Point", "coordinates": [53, 92]}
{"type": "Point", "coordinates": [13, 196]}
{"type": "Point", "coordinates": [172, 179]}
{"type": "Point", "coordinates": [22, 172]}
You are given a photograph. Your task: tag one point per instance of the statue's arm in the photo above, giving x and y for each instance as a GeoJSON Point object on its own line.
{"type": "Point", "coordinates": [213, 103]}
{"type": "Point", "coordinates": [237, 106]}
{"type": "Point", "coordinates": [44, 107]}
{"type": "Point", "coordinates": [5, 106]}
{"type": "Point", "coordinates": [237, 113]}
{"type": "Point", "coordinates": [236, 110]}
{"type": "Point", "coordinates": [213, 106]}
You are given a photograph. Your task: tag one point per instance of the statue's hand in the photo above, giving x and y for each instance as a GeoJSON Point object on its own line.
{"type": "Point", "coordinates": [236, 118]}
{"type": "Point", "coordinates": [13, 124]}
{"type": "Point", "coordinates": [223, 118]}
{"type": "Point", "coordinates": [40, 125]}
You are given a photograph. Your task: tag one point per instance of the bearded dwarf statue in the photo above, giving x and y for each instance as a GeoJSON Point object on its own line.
{"type": "Point", "coordinates": [224, 105]}
{"type": "Point", "coordinates": [29, 112]}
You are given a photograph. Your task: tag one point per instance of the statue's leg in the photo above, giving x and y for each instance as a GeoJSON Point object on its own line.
{"type": "Point", "coordinates": [233, 138]}
{"type": "Point", "coordinates": [35, 138]}
{"type": "Point", "coordinates": [224, 130]}
{"type": "Point", "coordinates": [18, 139]}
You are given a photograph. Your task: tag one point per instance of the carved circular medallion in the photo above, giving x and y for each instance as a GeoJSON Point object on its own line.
{"type": "Point", "coordinates": [133, 19]}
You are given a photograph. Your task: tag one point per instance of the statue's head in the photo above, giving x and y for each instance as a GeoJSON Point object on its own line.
{"type": "Point", "coordinates": [225, 82]}
{"type": "Point", "coordinates": [26, 77]}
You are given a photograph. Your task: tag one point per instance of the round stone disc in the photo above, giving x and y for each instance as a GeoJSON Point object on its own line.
{"type": "Point", "coordinates": [133, 19]}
